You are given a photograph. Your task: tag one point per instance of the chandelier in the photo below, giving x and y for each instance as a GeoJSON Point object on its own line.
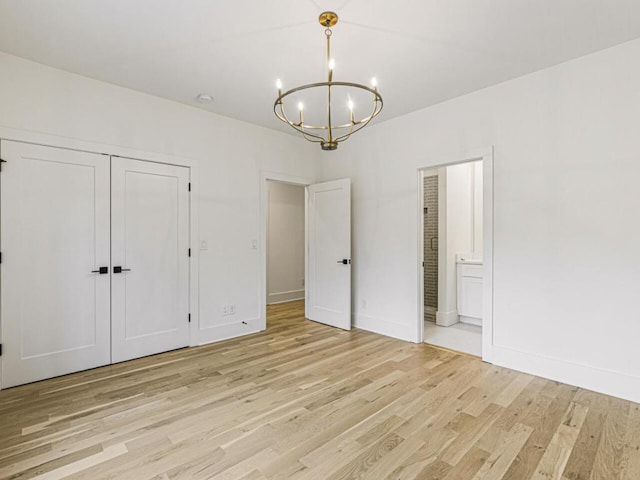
{"type": "Point", "coordinates": [330, 132]}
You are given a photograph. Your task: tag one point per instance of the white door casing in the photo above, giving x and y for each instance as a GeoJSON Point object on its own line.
{"type": "Point", "coordinates": [150, 242]}
{"type": "Point", "coordinates": [54, 236]}
{"type": "Point", "coordinates": [328, 259]}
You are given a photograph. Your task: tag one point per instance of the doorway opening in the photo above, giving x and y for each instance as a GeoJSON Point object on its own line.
{"type": "Point", "coordinates": [285, 243]}
{"type": "Point", "coordinates": [270, 181]}
{"type": "Point", "coordinates": [455, 253]}
{"type": "Point", "coordinates": [325, 285]}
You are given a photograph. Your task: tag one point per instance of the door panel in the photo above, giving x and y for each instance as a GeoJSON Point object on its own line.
{"type": "Point", "coordinates": [328, 279]}
{"type": "Point", "coordinates": [150, 231]}
{"type": "Point", "coordinates": [55, 232]}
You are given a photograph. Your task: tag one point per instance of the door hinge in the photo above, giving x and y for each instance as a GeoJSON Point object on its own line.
{"type": "Point", "coordinates": [0, 257]}
{"type": "Point", "coordinates": [0, 349]}
{"type": "Point", "coordinates": [189, 252]}
{"type": "Point", "coordinates": [1, 162]}
{"type": "Point", "coordinates": [189, 186]}
{"type": "Point", "coordinates": [189, 318]}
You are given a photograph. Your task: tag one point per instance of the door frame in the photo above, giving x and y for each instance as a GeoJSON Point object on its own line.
{"type": "Point", "coordinates": [266, 176]}
{"type": "Point", "coordinates": [486, 155]}
{"type": "Point", "coordinates": [108, 150]}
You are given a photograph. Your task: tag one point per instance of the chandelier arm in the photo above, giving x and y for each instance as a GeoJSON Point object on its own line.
{"type": "Point", "coordinates": [311, 138]}
{"type": "Point", "coordinates": [377, 107]}
{"type": "Point", "coordinates": [351, 125]}
{"type": "Point", "coordinates": [362, 125]}
{"type": "Point", "coordinates": [299, 127]}
{"type": "Point", "coordinates": [308, 136]}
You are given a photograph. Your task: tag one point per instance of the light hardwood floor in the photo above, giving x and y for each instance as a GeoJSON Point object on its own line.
{"type": "Point", "coordinates": [306, 401]}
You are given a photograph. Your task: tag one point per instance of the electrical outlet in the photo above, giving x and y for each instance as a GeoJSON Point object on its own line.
{"type": "Point", "coordinates": [228, 310]}
{"type": "Point", "coordinates": [363, 303]}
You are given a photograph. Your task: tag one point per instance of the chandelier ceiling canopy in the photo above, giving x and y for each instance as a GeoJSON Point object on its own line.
{"type": "Point", "coordinates": [345, 102]}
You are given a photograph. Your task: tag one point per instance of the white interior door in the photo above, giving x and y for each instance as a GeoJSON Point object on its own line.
{"type": "Point", "coordinates": [54, 236]}
{"type": "Point", "coordinates": [328, 265]}
{"type": "Point", "coordinates": [150, 241]}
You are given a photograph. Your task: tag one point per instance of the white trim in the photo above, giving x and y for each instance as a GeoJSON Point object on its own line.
{"type": "Point", "coordinates": [608, 382]}
{"type": "Point", "coordinates": [446, 319]}
{"type": "Point", "coordinates": [383, 327]}
{"type": "Point", "coordinates": [442, 242]}
{"type": "Point", "coordinates": [470, 320]}
{"type": "Point", "coordinates": [487, 256]}
{"type": "Point", "coordinates": [68, 143]}
{"type": "Point", "coordinates": [284, 297]}
{"type": "Point", "coordinates": [486, 155]}
{"type": "Point", "coordinates": [289, 300]}
{"type": "Point", "coordinates": [262, 234]}
{"type": "Point", "coordinates": [226, 331]}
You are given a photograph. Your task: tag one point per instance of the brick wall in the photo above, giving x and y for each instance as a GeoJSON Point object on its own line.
{"type": "Point", "coordinates": [430, 245]}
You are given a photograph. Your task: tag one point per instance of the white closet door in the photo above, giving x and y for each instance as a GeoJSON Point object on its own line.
{"type": "Point", "coordinates": [55, 235]}
{"type": "Point", "coordinates": [149, 233]}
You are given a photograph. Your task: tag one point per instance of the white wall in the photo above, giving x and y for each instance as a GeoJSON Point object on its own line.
{"type": "Point", "coordinates": [566, 256]}
{"type": "Point", "coordinates": [230, 156]}
{"type": "Point", "coordinates": [285, 242]}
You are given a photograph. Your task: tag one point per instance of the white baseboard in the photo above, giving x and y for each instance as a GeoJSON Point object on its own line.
{"type": "Point", "coordinates": [226, 331]}
{"type": "Point", "coordinates": [385, 327]}
{"type": "Point", "coordinates": [471, 320]}
{"type": "Point", "coordinates": [446, 319]}
{"type": "Point", "coordinates": [609, 382]}
{"type": "Point", "coordinates": [282, 297]}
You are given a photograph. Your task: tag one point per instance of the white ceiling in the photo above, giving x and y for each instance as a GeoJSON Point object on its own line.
{"type": "Point", "coordinates": [421, 51]}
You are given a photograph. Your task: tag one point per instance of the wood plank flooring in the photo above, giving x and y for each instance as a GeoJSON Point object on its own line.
{"type": "Point", "coordinates": [305, 401]}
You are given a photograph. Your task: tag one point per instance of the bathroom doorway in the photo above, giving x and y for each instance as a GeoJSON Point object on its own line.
{"type": "Point", "coordinates": [455, 209]}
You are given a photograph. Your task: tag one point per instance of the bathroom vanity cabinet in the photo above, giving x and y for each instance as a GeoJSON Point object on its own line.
{"type": "Point", "coordinates": [469, 291]}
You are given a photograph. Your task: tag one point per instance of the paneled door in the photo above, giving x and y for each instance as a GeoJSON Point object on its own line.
{"type": "Point", "coordinates": [150, 241]}
{"type": "Point", "coordinates": [328, 260]}
{"type": "Point", "coordinates": [55, 262]}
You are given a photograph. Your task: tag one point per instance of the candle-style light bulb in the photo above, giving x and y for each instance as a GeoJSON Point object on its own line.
{"type": "Point", "coordinates": [279, 84]}
{"type": "Point", "coordinates": [300, 106]}
{"type": "Point", "coordinates": [350, 104]}
{"type": "Point", "coordinates": [374, 82]}
{"type": "Point", "coordinates": [332, 64]}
